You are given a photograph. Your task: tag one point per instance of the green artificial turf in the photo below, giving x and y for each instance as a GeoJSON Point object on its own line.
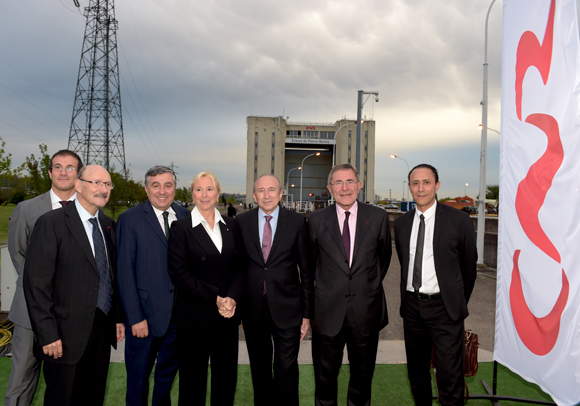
{"type": "Point", "coordinates": [390, 385]}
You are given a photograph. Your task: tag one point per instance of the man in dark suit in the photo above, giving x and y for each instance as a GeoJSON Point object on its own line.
{"type": "Point", "coordinates": [70, 288]}
{"type": "Point", "coordinates": [438, 255]}
{"type": "Point", "coordinates": [146, 289]}
{"type": "Point", "coordinates": [63, 169]}
{"type": "Point", "coordinates": [352, 251]}
{"type": "Point", "coordinates": [278, 291]}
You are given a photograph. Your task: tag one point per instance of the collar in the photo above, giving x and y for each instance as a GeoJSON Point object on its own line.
{"type": "Point", "coordinates": [197, 218]}
{"type": "Point", "coordinates": [158, 212]}
{"type": "Point", "coordinates": [274, 214]}
{"type": "Point", "coordinates": [83, 214]}
{"type": "Point", "coordinates": [55, 199]}
{"type": "Point", "coordinates": [430, 212]}
{"type": "Point", "coordinates": [353, 210]}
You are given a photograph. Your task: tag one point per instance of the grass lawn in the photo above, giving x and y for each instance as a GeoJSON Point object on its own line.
{"type": "Point", "coordinates": [390, 385]}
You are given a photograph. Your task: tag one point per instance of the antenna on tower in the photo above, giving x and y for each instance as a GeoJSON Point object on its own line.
{"type": "Point", "coordinates": [96, 131]}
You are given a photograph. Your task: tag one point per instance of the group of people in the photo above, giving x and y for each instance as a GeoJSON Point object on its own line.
{"type": "Point", "coordinates": [178, 284]}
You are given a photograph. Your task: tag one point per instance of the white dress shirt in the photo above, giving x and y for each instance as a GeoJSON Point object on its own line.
{"type": "Point", "coordinates": [55, 200]}
{"type": "Point", "coordinates": [85, 216]}
{"type": "Point", "coordinates": [429, 283]}
{"type": "Point", "coordinates": [214, 232]}
{"type": "Point", "coordinates": [171, 218]}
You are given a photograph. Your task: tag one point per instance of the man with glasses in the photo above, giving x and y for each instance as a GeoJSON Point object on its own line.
{"type": "Point", "coordinates": [70, 287]}
{"type": "Point", "coordinates": [64, 166]}
{"type": "Point", "coordinates": [352, 250]}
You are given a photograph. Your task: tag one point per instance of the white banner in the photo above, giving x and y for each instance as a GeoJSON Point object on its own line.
{"type": "Point", "coordinates": [537, 331]}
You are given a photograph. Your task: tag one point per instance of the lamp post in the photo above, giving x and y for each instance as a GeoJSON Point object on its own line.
{"type": "Point", "coordinates": [406, 163]}
{"type": "Point", "coordinates": [335, 134]}
{"type": "Point", "coordinates": [360, 104]}
{"type": "Point", "coordinates": [483, 156]}
{"type": "Point", "coordinates": [490, 129]}
{"type": "Point", "coordinates": [288, 178]}
{"type": "Point", "coordinates": [302, 172]}
{"type": "Point", "coordinates": [404, 191]}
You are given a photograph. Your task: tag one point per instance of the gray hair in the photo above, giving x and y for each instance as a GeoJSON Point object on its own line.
{"type": "Point", "coordinates": [159, 170]}
{"type": "Point", "coordinates": [342, 167]}
{"type": "Point", "coordinates": [263, 176]}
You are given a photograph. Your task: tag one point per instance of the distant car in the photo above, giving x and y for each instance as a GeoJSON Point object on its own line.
{"type": "Point", "coordinates": [470, 209]}
{"type": "Point", "coordinates": [492, 210]}
{"type": "Point", "coordinates": [392, 207]}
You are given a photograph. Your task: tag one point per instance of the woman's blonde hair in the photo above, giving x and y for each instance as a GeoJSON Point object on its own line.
{"type": "Point", "coordinates": [209, 175]}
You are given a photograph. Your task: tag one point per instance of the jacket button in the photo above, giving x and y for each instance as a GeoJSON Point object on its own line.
{"type": "Point", "coordinates": [95, 287]}
{"type": "Point", "coordinates": [265, 269]}
{"type": "Point", "coordinates": [203, 258]}
{"type": "Point", "coordinates": [92, 312]}
{"type": "Point", "coordinates": [171, 291]}
{"type": "Point", "coordinates": [350, 278]}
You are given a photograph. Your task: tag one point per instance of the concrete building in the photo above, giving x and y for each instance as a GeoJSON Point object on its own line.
{"type": "Point", "coordinates": [279, 147]}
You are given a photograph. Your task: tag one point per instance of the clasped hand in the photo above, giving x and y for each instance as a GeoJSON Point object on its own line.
{"type": "Point", "coordinates": [226, 306]}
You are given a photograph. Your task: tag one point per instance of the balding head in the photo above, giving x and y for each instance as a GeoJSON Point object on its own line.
{"type": "Point", "coordinates": [90, 195]}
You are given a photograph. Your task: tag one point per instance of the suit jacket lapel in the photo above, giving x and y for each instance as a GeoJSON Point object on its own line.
{"type": "Point", "coordinates": [280, 227]}
{"type": "Point", "coordinates": [254, 229]}
{"type": "Point", "coordinates": [77, 229]}
{"type": "Point", "coordinates": [437, 228]}
{"type": "Point", "coordinates": [206, 243]}
{"type": "Point", "coordinates": [405, 240]}
{"type": "Point", "coordinates": [331, 225]}
{"type": "Point", "coordinates": [153, 221]}
{"type": "Point", "coordinates": [109, 241]}
{"type": "Point", "coordinates": [362, 225]}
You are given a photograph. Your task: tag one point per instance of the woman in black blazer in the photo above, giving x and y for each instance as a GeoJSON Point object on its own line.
{"type": "Point", "coordinates": [202, 266]}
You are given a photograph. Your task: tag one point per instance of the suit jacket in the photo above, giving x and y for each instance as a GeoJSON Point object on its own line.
{"type": "Point", "coordinates": [454, 254]}
{"type": "Point", "coordinates": [362, 280]}
{"type": "Point", "coordinates": [144, 284]}
{"type": "Point", "coordinates": [61, 282]}
{"type": "Point", "coordinates": [19, 229]}
{"type": "Point", "coordinates": [288, 272]}
{"type": "Point", "coordinates": [201, 273]}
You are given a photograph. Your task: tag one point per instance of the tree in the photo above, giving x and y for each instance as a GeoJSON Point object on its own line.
{"type": "Point", "coordinates": [38, 179]}
{"type": "Point", "coordinates": [492, 192]}
{"type": "Point", "coordinates": [11, 185]}
{"type": "Point", "coordinates": [184, 194]}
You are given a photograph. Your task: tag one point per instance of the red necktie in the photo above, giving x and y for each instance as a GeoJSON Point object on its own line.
{"type": "Point", "coordinates": [65, 202]}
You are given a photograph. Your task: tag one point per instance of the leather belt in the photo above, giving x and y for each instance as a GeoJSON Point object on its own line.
{"type": "Point", "coordinates": [425, 297]}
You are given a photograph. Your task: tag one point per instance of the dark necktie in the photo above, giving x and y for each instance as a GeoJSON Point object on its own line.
{"type": "Point", "coordinates": [65, 202]}
{"type": "Point", "coordinates": [105, 298]}
{"type": "Point", "coordinates": [166, 221]}
{"type": "Point", "coordinates": [346, 235]}
{"type": "Point", "coordinates": [418, 265]}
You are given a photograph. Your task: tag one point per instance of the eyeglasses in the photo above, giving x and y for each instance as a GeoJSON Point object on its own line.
{"type": "Point", "coordinates": [59, 168]}
{"type": "Point", "coordinates": [339, 183]}
{"type": "Point", "coordinates": [99, 183]}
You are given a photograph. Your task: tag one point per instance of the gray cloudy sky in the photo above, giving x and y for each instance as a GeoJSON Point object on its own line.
{"type": "Point", "coordinates": [192, 71]}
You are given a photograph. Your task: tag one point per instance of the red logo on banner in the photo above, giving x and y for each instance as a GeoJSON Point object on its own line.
{"type": "Point", "coordinates": [311, 128]}
{"type": "Point", "coordinates": [539, 334]}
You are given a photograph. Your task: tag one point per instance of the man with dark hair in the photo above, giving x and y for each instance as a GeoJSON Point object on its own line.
{"type": "Point", "coordinates": [352, 251]}
{"type": "Point", "coordinates": [146, 289]}
{"type": "Point", "coordinates": [63, 170]}
{"type": "Point", "coordinates": [438, 255]}
{"type": "Point", "coordinates": [70, 285]}
{"type": "Point", "coordinates": [278, 290]}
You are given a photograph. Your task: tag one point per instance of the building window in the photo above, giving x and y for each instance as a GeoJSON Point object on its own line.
{"type": "Point", "coordinates": [366, 134]}
{"type": "Point", "coordinates": [255, 170]}
{"type": "Point", "coordinates": [272, 171]}
{"type": "Point", "coordinates": [327, 134]}
{"type": "Point", "coordinates": [349, 147]}
{"type": "Point", "coordinates": [273, 133]}
{"type": "Point", "coordinates": [310, 134]}
{"type": "Point", "coordinates": [256, 133]}
{"type": "Point", "coordinates": [293, 133]}
{"type": "Point", "coordinates": [349, 134]}
{"type": "Point", "coordinates": [256, 145]}
{"type": "Point", "coordinates": [255, 157]}
{"type": "Point", "coordinates": [273, 144]}
{"type": "Point", "coordinates": [272, 157]}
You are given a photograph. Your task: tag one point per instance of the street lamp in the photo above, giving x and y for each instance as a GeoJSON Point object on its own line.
{"type": "Point", "coordinates": [467, 184]}
{"type": "Point", "coordinates": [395, 156]}
{"type": "Point", "coordinates": [360, 104]}
{"type": "Point", "coordinates": [335, 134]}
{"type": "Point", "coordinates": [490, 129]}
{"type": "Point", "coordinates": [483, 156]}
{"type": "Point", "coordinates": [288, 177]}
{"type": "Point", "coordinates": [302, 172]}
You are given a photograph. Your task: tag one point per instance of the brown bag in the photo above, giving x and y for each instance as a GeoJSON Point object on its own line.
{"type": "Point", "coordinates": [471, 346]}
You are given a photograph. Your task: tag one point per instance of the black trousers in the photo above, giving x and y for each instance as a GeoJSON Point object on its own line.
{"type": "Point", "coordinates": [426, 325]}
{"type": "Point", "coordinates": [83, 383]}
{"type": "Point", "coordinates": [327, 355]}
{"type": "Point", "coordinates": [195, 350]}
{"type": "Point", "coordinates": [282, 387]}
